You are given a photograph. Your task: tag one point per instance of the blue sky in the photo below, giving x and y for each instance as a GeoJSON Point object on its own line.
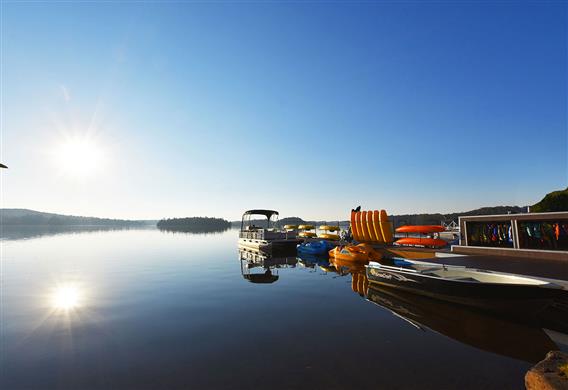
{"type": "Point", "coordinates": [310, 108]}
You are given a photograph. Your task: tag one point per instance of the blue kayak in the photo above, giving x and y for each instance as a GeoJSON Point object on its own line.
{"type": "Point", "coordinates": [315, 247]}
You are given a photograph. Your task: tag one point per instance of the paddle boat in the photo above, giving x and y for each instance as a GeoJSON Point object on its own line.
{"type": "Point", "coordinates": [360, 253]}
{"type": "Point", "coordinates": [484, 289]}
{"type": "Point", "coordinates": [266, 237]}
{"type": "Point", "coordinates": [315, 247]}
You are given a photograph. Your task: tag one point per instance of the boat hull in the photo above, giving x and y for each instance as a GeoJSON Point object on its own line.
{"type": "Point", "coordinates": [422, 229]}
{"type": "Point", "coordinates": [267, 246]}
{"type": "Point", "coordinates": [506, 298]}
{"type": "Point", "coordinates": [419, 241]}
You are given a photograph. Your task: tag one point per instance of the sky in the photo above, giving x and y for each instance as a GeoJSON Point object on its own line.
{"type": "Point", "coordinates": [145, 110]}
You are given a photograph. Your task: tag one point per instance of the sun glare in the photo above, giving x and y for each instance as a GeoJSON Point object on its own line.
{"type": "Point", "coordinates": [66, 297]}
{"type": "Point", "coordinates": [79, 156]}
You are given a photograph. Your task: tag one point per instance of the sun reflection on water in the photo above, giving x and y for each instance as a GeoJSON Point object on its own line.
{"type": "Point", "coordinates": [67, 297]}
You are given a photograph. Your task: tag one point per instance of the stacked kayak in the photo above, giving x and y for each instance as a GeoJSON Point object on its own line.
{"type": "Point", "coordinates": [314, 247]}
{"type": "Point", "coordinates": [421, 229]}
{"type": "Point", "coordinates": [290, 228]}
{"type": "Point", "coordinates": [329, 232]}
{"type": "Point", "coordinates": [307, 231]}
{"type": "Point", "coordinates": [358, 253]}
{"type": "Point", "coordinates": [371, 227]}
{"type": "Point", "coordinates": [421, 241]}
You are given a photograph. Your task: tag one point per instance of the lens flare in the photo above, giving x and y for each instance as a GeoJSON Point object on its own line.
{"type": "Point", "coordinates": [66, 297]}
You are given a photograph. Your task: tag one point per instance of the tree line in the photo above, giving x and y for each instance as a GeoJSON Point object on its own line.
{"type": "Point", "coordinates": [194, 224]}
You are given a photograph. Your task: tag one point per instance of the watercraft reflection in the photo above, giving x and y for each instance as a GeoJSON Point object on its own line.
{"type": "Point", "coordinates": [261, 267]}
{"type": "Point", "coordinates": [478, 329]}
{"type": "Point", "coordinates": [359, 281]}
{"type": "Point", "coordinates": [312, 261]}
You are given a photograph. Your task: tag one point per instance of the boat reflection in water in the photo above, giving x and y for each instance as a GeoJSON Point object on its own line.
{"type": "Point", "coordinates": [313, 262]}
{"type": "Point", "coordinates": [516, 339]}
{"type": "Point", "coordinates": [359, 281]}
{"type": "Point", "coordinates": [261, 267]}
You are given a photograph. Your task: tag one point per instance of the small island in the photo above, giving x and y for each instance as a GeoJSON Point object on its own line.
{"type": "Point", "coordinates": [194, 224]}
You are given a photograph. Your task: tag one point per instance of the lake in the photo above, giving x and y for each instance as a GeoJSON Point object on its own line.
{"type": "Point", "coordinates": [135, 309]}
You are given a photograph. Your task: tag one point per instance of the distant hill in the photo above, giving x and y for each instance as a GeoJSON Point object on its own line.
{"type": "Point", "coordinates": [436, 219]}
{"type": "Point", "coordinates": [194, 224]}
{"type": "Point", "coordinates": [25, 217]}
{"type": "Point", "coordinates": [554, 201]}
{"type": "Point", "coordinates": [405, 219]}
{"type": "Point", "coordinates": [288, 221]}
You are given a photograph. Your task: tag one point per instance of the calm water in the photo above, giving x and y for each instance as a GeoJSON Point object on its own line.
{"type": "Point", "coordinates": [134, 309]}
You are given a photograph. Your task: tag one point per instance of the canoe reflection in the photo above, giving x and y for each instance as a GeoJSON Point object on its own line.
{"type": "Point", "coordinates": [260, 267]}
{"type": "Point", "coordinates": [484, 331]}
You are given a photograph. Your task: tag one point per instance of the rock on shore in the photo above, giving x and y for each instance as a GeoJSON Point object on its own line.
{"type": "Point", "coordinates": [550, 373]}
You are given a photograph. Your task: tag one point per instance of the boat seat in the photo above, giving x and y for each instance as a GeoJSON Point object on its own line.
{"type": "Point", "coordinates": [429, 271]}
{"type": "Point", "coordinates": [466, 279]}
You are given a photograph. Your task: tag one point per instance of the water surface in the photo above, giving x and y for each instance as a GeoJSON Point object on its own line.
{"type": "Point", "coordinates": [134, 309]}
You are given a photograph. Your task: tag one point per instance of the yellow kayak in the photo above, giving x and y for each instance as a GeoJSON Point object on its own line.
{"type": "Point", "coordinates": [330, 228]}
{"type": "Point", "coordinates": [329, 236]}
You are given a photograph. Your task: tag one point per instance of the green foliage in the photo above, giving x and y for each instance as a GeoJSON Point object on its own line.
{"type": "Point", "coordinates": [291, 221]}
{"type": "Point", "coordinates": [554, 201]}
{"type": "Point", "coordinates": [194, 224]}
{"type": "Point", "coordinates": [436, 219]}
{"type": "Point", "coordinates": [25, 217]}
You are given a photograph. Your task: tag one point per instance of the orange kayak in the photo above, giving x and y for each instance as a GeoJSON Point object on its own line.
{"type": "Point", "coordinates": [416, 241]}
{"type": "Point", "coordinates": [422, 229]}
{"type": "Point", "coordinates": [360, 253]}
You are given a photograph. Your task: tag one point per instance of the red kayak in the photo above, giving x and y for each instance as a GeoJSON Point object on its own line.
{"type": "Point", "coordinates": [416, 241]}
{"type": "Point", "coordinates": [422, 229]}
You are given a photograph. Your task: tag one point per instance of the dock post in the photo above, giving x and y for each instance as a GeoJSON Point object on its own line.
{"type": "Point", "coordinates": [515, 228]}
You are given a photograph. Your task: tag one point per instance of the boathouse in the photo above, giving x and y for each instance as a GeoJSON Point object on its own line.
{"type": "Point", "coordinates": [534, 235]}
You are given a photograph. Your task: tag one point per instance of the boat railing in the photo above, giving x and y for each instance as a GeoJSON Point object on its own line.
{"type": "Point", "coordinates": [263, 234]}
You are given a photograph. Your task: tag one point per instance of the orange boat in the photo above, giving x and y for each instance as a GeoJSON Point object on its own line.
{"type": "Point", "coordinates": [418, 241]}
{"type": "Point", "coordinates": [361, 253]}
{"type": "Point", "coordinates": [422, 229]}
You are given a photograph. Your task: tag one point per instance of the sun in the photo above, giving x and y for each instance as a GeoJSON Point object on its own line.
{"type": "Point", "coordinates": [79, 156]}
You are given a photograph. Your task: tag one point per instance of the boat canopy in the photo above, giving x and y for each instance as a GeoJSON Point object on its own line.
{"type": "Point", "coordinates": [266, 213]}
{"type": "Point", "coordinates": [269, 214]}
{"type": "Point", "coordinates": [264, 278]}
